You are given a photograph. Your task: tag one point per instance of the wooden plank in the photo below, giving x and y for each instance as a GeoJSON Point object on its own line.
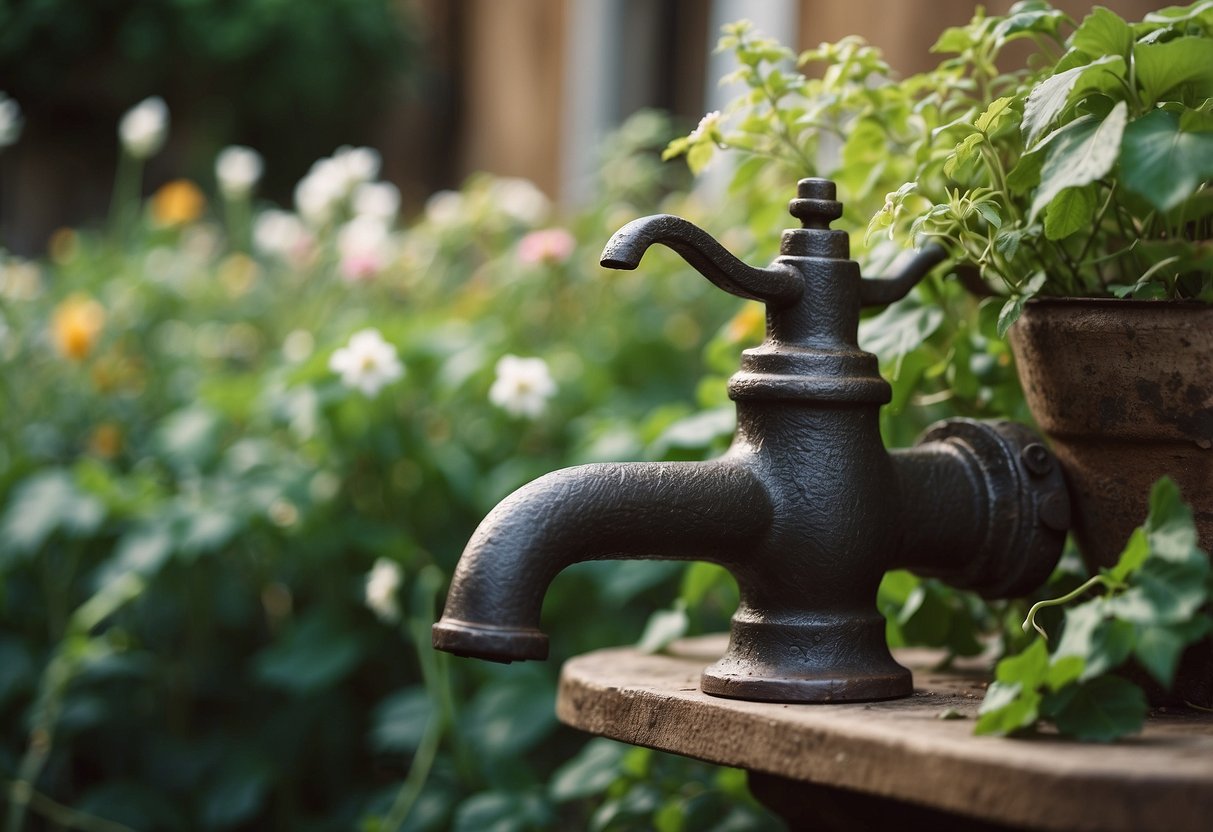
{"type": "Point", "coordinates": [1160, 779]}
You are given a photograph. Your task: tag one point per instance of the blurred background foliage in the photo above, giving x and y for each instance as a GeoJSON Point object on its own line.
{"type": "Point", "coordinates": [222, 548]}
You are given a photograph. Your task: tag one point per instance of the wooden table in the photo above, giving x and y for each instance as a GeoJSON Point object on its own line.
{"type": "Point", "coordinates": [897, 764]}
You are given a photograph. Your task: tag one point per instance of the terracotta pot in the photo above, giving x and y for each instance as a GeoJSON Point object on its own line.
{"type": "Point", "coordinates": [1124, 391]}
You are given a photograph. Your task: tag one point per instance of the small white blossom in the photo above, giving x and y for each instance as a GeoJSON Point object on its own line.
{"type": "Point", "coordinates": [10, 120]}
{"type": "Point", "coordinates": [365, 245]}
{"type": "Point", "coordinates": [320, 192]}
{"type": "Point", "coordinates": [238, 169]}
{"type": "Point", "coordinates": [521, 200]}
{"type": "Point", "coordinates": [281, 234]}
{"type": "Point", "coordinates": [445, 208]}
{"type": "Point", "coordinates": [380, 200]}
{"type": "Point", "coordinates": [144, 127]}
{"type": "Point", "coordinates": [382, 585]}
{"type": "Point", "coordinates": [708, 127]}
{"type": "Point", "coordinates": [357, 165]}
{"type": "Point", "coordinates": [368, 363]}
{"type": "Point", "coordinates": [522, 386]}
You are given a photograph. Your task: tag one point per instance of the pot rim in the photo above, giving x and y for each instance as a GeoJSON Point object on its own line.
{"type": "Point", "coordinates": [1121, 303]}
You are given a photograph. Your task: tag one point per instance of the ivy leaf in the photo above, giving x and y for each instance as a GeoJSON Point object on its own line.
{"type": "Point", "coordinates": [1169, 526]}
{"type": "Point", "coordinates": [1048, 98]}
{"type": "Point", "coordinates": [1007, 708]}
{"type": "Point", "coordinates": [44, 503]}
{"type": "Point", "coordinates": [1012, 701]}
{"type": "Point", "coordinates": [1083, 153]}
{"type": "Point", "coordinates": [1135, 554]}
{"type": "Point", "coordinates": [1165, 592]}
{"type": "Point", "coordinates": [1102, 643]}
{"type": "Point", "coordinates": [1158, 648]}
{"type": "Point", "coordinates": [1071, 211]}
{"type": "Point", "coordinates": [400, 720]}
{"type": "Point", "coordinates": [1162, 162]}
{"type": "Point", "coordinates": [1162, 67]}
{"type": "Point", "coordinates": [1103, 32]}
{"type": "Point", "coordinates": [1102, 709]}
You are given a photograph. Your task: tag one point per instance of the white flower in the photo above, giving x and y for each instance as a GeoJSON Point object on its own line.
{"type": "Point", "coordinates": [708, 127]}
{"type": "Point", "coordinates": [238, 169]}
{"type": "Point", "coordinates": [367, 363]}
{"type": "Point", "coordinates": [380, 200]}
{"type": "Point", "coordinates": [357, 165]}
{"type": "Point", "coordinates": [519, 199]}
{"type": "Point", "coordinates": [320, 192]}
{"type": "Point", "coordinates": [382, 585]}
{"type": "Point", "coordinates": [522, 386]}
{"type": "Point", "coordinates": [281, 234]}
{"type": "Point", "coordinates": [10, 120]}
{"type": "Point", "coordinates": [445, 208]}
{"type": "Point", "coordinates": [144, 127]}
{"type": "Point", "coordinates": [365, 245]}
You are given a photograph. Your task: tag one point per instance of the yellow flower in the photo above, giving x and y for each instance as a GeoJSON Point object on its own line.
{"type": "Point", "coordinates": [76, 324]}
{"type": "Point", "coordinates": [105, 441]}
{"type": "Point", "coordinates": [177, 202]}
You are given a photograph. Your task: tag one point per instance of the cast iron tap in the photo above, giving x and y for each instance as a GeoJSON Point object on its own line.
{"type": "Point", "coordinates": [806, 509]}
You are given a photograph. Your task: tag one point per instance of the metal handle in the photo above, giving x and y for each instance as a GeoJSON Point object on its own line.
{"type": "Point", "coordinates": [880, 291]}
{"type": "Point", "coordinates": [779, 285]}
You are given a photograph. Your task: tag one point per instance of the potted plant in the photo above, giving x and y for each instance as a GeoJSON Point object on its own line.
{"type": "Point", "coordinates": [1082, 188]}
{"type": "Point", "coordinates": [1072, 193]}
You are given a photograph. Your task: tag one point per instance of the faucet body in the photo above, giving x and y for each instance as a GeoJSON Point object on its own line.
{"type": "Point", "coordinates": [807, 509]}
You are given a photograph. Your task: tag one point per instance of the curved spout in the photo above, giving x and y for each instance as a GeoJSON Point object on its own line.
{"type": "Point", "coordinates": [657, 510]}
{"type": "Point", "coordinates": [780, 285]}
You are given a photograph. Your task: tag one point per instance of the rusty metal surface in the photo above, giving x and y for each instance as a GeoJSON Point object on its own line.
{"type": "Point", "coordinates": [1124, 391]}
{"type": "Point", "coordinates": [807, 509]}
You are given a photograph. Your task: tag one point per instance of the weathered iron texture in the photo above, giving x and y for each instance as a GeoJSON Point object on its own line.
{"type": "Point", "coordinates": [807, 509]}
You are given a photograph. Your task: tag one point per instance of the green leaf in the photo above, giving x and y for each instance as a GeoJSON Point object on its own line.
{"type": "Point", "coordinates": [1071, 211]}
{"type": "Point", "coordinates": [1163, 163]}
{"type": "Point", "coordinates": [1135, 554]}
{"type": "Point", "coordinates": [1103, 32]}
{"type": "Point", "coordinates": [1008, 707]}
{"type": "Point", "coordinates": [1180, 14]}
{"type": "Point", "coordinates": [511, 716]}
{"type": "Point", "coordinates": [1170, 528]}
{"type": "Point", "coordinates": [1165, 592]}
{"type": "Point", "coordinates": [1026, 19]}
{"type": "Point", "coordinates": [1101, 710]}
{"type": "Point", "coordinates": [1048, 98]}
{"type": "Point", "coordinates": [900, 329]}
{"type": "Point", "coordinates": [1013, 308]}
{"type": "Point", "coordinates": [43, 504]}
{"type": "Point", "coordinates": [1102, 643]}
{"type": "Point", "coordinates": [1187, 62]}
{"type": "Point", "coordinates": [1064, 670]}
{"type": "Point", "coordinates": [317, 652]}
{"type": "Point", "coordinates": [1029, 667]}
{"type": "Point", "coordinates": [699, 155]}
{"type": "Point", "coordinates": [998, 111]}
{"type": "Point", "coordinates": [502, 812]}
{"type": "Point", "coordinates": [1083, 153]}
{"type": "Point", "coordinates": [664, 627]}
{"type": "Point", "coordinates": [189, 437]}
{"type": "Point", "coordinates": [400, 720]}
{"type": "Point", "coordinates": [591, 772]}
{"type": "Point", "coordinates": [1158, 648]}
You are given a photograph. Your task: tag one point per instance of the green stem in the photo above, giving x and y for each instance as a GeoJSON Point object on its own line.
{"type": "Point", "coordinates": [125, 200]}
{"type": "Point", "coordinates": [1030, 621]}
{"type": "Point", "coordinates": [66, 816]}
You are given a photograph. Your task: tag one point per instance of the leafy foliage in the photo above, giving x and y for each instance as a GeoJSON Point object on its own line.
{"type": "Point", "coordinates": [220, 562]}
{"type": "Point", "coordinates": [1155, 603]}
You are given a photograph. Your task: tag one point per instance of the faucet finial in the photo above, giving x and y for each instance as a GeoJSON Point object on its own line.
{"type": "Point", "coordinates": [816, 204]}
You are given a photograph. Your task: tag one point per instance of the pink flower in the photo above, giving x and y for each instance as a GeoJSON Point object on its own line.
{"type": "Point", "coordinates": [550, 247]}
